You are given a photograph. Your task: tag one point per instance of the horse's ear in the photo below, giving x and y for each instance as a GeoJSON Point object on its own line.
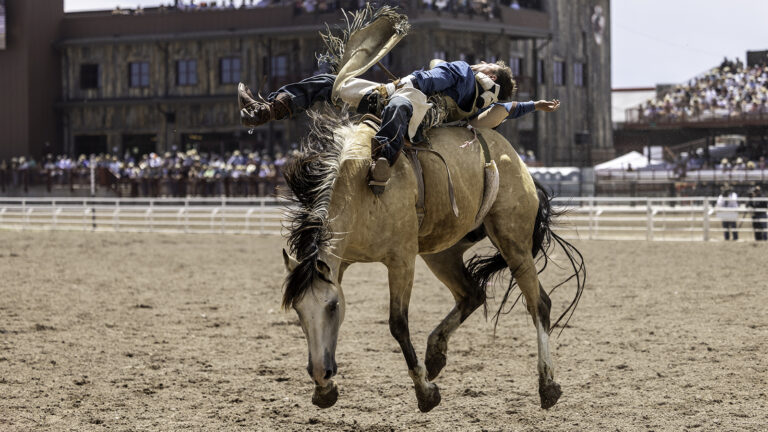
{"type": "Point", "coordinates": [289, 261]}
{"type": "Point", "coordinates": [324, 269]}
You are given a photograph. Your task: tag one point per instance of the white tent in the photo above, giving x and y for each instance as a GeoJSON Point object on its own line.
{"type": "Point", "coordinates": [633, 158]}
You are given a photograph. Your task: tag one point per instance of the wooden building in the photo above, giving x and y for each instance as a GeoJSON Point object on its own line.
{"type": "Point", "coordinates": [166, 79]}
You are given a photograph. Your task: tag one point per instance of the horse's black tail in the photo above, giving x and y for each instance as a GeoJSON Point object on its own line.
{"type": "Point", "coordinates": [485, 269]}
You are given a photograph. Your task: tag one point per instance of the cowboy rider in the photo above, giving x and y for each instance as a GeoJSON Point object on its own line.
{"type": "Point", "coordinates": [470, 92]}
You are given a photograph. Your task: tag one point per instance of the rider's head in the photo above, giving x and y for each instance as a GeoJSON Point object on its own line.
{"type": "Point", "coordinates": [501, 74]}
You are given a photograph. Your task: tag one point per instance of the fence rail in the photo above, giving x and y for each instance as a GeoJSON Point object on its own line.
{"type": "Point", "coordinates": [677, 219]}
{"type": "Point", "coordinates": [667, 175]}
{"type": "Point", "coordinates": [198, 215]}
{"type": "Point", "coordinates": [680, 219]}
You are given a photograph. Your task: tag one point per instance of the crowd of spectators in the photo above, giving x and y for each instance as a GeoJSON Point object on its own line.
{"type": "Point", "coordinates": [488, 8]}
{"type": "Point", "coordinates": [727, 91]}
{"type": "Point", "coordinates": [300, 6]}
{"type": "Point", "coordinates": [743, 158]}
{"type": "Point", "coordinates": [173, 174]}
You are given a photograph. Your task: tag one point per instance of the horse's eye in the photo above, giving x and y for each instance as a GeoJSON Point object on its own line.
{"type": "Point", "coordinates": [332, 306]}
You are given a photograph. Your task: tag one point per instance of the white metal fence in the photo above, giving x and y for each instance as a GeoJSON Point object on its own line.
{"type": "Point", "coordinates": [194, 215]}
{"type": "Point", "coordinates": [681, 219]}
{"type": "Point", "coordinates": [667, 175]}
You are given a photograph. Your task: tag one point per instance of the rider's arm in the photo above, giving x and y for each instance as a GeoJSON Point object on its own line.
{"type": "Point", "coordinates": [499, 112]}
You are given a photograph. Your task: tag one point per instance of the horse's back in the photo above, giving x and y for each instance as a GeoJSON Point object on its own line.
{"type": "Point", "coordinates": [517, 192]}
{"type": "Point", "coordinates": [441, 228]}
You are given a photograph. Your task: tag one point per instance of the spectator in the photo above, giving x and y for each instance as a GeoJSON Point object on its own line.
{"type": "Point", "coordinates": [729, 90]}
{"type": "Point", "coordinates": [175, 174]}
{"type": "Point", "coordinates": [727, 203]}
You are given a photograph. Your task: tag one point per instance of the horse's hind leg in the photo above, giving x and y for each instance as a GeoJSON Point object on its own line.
{"type": "Point", "coordinates": [517, 253]}
{"type": "Point", "coordinates": [449, 268]}
{"type": "Point", "coordinates": [538, 305]}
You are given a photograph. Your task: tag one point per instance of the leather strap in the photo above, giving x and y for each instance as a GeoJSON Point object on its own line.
{"type": "Point", "coordinates": [282, 102]}
{"type": "Point", "coordinates": [484, 144]}
{"type": "Point", "coordinates": [416, 165]}
{"type": "Point", "coordinates": [371, 120]}
{"type": "Point", "coordinates": [411, 152]}
{"type": "Point", "coordinates": [420, 176]}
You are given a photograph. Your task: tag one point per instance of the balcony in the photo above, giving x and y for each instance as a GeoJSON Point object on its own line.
{"type": "Point", "coordinates": [284, 17]}
{"type": "Point", "coordinates": [637, 118]}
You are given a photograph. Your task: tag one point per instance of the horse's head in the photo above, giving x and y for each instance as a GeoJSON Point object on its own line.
{"type": "Point", "coordinates": [321, 311]}
{"type": "Point", "coordinates": [322, 188]}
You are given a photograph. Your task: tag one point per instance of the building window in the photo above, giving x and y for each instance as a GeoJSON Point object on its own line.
{"type": "Point", "coordinates": [516, 65]}
{"type": "Point", "coordinates": [578, 74]}
{"type": "Point", "coordinates": [186, 72]}
{"type": "Point", "coordinates": [558, 73]}
{"type": "Point", "coordinates": [139, 74]}
{"type": "Point", "coordinates": [540, 72]}
{"type": "Point", "coordinates": [229, 68]}
{"type": "Point", "coordinates": [89, 76]}
{"type": "Point", "coordinates": [280, 66]}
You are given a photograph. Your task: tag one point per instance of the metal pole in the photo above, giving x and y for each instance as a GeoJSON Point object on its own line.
{"type": "Point", "coordinates": [649, 211]}
{"type": "Point", "coordinates": [706, 219]}
{"type": "Point", "coordinates": [261, 217]}
{"type": "Point", "coordinates": [591, 218]}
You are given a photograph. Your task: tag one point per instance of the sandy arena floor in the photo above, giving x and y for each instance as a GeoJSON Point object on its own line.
{"type": "Point", "coordinates": [135, 332]}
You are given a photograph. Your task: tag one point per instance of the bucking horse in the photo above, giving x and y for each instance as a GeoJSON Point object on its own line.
{"type": "Point", "coordinates": [437, 212]}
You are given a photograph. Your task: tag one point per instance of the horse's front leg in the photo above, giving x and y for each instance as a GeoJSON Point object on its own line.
{"type": "Point", "coordinates": [400, 284]}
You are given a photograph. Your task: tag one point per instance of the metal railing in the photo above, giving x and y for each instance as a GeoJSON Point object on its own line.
{"type": "Point", "coordinates": [718, 117]}
{"type": "Point", "coordinates": [679, 219]}
{"type": "Point", "coordinates": [676, 219]}
{"type": "Point", "coordinates": [667, 175]}
{"type": "Point", "coordinates": [184, 215]}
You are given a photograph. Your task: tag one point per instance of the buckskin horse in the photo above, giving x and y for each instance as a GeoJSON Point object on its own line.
{"type": "Point", "coordinates": [337, 221]}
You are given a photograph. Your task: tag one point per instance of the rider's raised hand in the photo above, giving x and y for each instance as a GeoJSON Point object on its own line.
{"type": "Point", "coordinates": [547, 106]}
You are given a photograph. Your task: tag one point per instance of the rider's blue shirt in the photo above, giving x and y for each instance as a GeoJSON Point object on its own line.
{"type": "Point", "coordinates": [454, 79]}
{"type": "Point", "coordinates": [521, 108]}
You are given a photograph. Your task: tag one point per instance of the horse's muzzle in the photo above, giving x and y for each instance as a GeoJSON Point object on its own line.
{"type": "Point", "coordinates": [321, 373]}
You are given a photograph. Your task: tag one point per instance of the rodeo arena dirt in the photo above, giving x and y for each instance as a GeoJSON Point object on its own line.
{"type": "Point", "coordinates": [194, 299]}
{"type": "Point", "coordinates": [169, 332]}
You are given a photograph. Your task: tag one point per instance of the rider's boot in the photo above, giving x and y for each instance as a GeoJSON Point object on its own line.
{"type": "Point", "coordinates": [379, 172]}
{"type": "Point", "coordinates": [254, 113]}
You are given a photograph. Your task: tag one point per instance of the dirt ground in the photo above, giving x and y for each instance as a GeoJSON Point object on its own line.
{"type": "Point", "coordinates": [135, 332]}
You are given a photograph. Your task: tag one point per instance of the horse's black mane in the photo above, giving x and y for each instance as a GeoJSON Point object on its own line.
{"type": "Point", "coordinates": [310, 175]}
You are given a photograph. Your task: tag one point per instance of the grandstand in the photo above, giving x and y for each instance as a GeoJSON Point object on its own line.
{"type": "Point", "coordinates": [711, 129]}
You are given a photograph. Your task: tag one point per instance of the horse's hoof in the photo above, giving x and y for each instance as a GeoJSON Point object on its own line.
{"type": "Point", "coordinates": [549, 393]}
{"type": "Point", "coordinates": [428, 398]}
{"type": "Point", "coordinates": [435, 363]}
{"type": "Point", "coordinates": [325, 397]}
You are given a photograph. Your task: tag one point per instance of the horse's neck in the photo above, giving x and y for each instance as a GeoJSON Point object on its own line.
{"type": "Point", "coordinates": [359, 220]}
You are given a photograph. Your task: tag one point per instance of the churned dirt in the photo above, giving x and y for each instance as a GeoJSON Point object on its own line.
{"type": "Point", "coordinates": [135, 332]}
